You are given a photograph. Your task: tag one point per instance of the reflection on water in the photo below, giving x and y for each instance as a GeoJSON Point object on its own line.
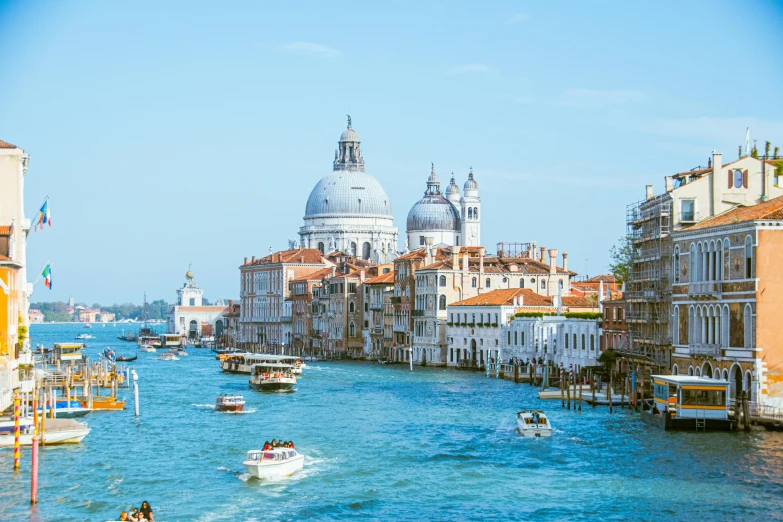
{"type": "Point", "coordinates": [383, 443]}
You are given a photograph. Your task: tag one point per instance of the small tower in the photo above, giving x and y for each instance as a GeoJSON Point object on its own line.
{"type": "Point", "coordinates": [470, 210]}
{"type": "Point", "coordinates": [189, 294]}
{"type": "Point", "coordinates": [452, 192]}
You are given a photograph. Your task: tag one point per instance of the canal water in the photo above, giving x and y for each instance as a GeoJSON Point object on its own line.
{"type": "Point", "coordinates": [382, 443]}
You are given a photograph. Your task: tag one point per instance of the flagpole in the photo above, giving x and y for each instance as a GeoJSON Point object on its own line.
{"type": "Point", "coordinates": [49, 264]}
{"type": "Point", "coordinates": [40, 216]}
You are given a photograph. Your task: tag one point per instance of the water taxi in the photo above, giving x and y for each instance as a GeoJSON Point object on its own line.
{"type": "Point", "coordinates": [272, 376]}
{"type": "Point", "coordinates": [84, 336]}
{"type": "Point", "coordinates": [230, 403]}
{"type": "Point", "coordinates": [685, 402]}
{"type": "Point", "coordinates": [243, 362]}
{"type": "Point", "coordinates": [101, 403]}
{"type": "Point", "coordinates": [533, 423]}
{"type": "Point", "coordinates": [277, 462]}
{"type": "Point", "coordinates": [181, 352]}
{"type": "Point", "coordinates": [63, 411]}
{"type": "Point", "coordinates": [168, 356]}
{"type": "Point", "coordinates": [56, 431]}
{"type": "Point", "coordinates": [150, 340]}
{"type": "Point", "coordinates": [147, 348]}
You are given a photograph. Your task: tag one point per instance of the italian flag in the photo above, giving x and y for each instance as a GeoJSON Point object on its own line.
{"type": "Point", "coordinates": [47, 275]}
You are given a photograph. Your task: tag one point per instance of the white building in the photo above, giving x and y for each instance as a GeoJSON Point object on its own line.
{"type": "Point", "coordinates": [448, 220]}
{"type": "Point", "coordinates": [189, 315]}
{"type": "Point", "coordinates": [348, 210]}
{"type": "Point", "coordinates": [559, 338]}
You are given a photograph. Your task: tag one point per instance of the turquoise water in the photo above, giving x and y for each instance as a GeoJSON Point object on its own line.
{"type": "Point", "coordinates": [383, 443]}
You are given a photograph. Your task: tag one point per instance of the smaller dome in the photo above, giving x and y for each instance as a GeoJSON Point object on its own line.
{"type": "Point", "coordinates": [349, 135]}
{"type": "Point", "coordinates": [433, 177]}
{"type": "Point", "coordinates": [433, 213]}
{"type": "Point", "coordinates": [452, 189]}
{"type": "Point", "coordinates": [470, 184]}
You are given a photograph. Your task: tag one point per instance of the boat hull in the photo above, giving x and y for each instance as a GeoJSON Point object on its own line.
{"type": "Point", "coordinates": [274, 469]}
{"type": "Point", "coordinates": [273, 386]}
{"type": "Point", "coordinates": [230, 407]}
{"type": "Point", "coordinates": [533, 431]}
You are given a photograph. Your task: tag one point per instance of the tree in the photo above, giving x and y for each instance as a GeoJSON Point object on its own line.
{"type": "Point", "coordinates": [767, 146]}
{"type": "Point", "coordinates": [739, 152]}
{"type": "Point", "coordinates": [620, 259]}
{"type": "Point", "coordinates": [775, 154]}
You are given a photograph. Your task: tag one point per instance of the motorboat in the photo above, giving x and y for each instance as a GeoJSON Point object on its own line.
{"type": "Point", "coordinates": [88, 325]}
{"type": "Point", "coordinates": [272, 376]}
{"type": "Point", "coordinates": [168, 356]}
{"type": "Point", "coordinates": [7, 424]}
{"type": "Point", "coordinates": [56, 431]}
{"type": "Point", "coordinates": [147, 348]}
{"type": "Point", "coordinates": [181, 352]}
{"type": "Point", "coordinates": [84, 336]}
{"type": "Point", "coordinates": [123, 358]}
{"type": "Point", "coordinates": [533, 423]}
{"type": "Point", "coordinates": [102, 403]}
{"type": "Point", "coordinates": [64, 411]}
{"type": "Point", "coordinates": [272, 463]}
{"type": "Point", "coordinates": [230, 403]}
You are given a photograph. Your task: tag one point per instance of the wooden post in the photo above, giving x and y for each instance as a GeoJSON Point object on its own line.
{"type": "Point", "coordinates": [580, 396]}
{"type": "Point", "coordinates": [530, 372]}
{"type": "Point", "coordinates": [746, 410]}
{"type": "Point", "coordinates": [34, 470]}
{"type": "Point", "coordinates": [622, 393]}
{"type": "Point", "coordinates": [568, 391]}
{"type": "Point", "coordinates": [562, 392]}
{"type": "Point", "coordinates": [17, 444]}
{"type": "Point", "coordinates": [641, 389]}
{"type": "Point", "coordinates": [135, 393]}
{"type": "Point", "coordinates": [609, 390]}
{"type": "Point", "coordinates": [43, 419]}
{"type": "Point", "coordinates": [592, 388]}
{"type": "Point", "coordinates": [516, 372]}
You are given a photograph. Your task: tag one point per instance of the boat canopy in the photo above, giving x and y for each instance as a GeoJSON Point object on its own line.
{"type": "Point", "coordinates": [276, 365]}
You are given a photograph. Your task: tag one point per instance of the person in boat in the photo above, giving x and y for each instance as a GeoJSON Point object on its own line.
{"type": "Point", "coordinates": [535, 417]}
{"type": "Point", "coordinates": [266, 446]}
{"type": "Point", "coordinates": [124, 516]}
{"type": "Point", "coordinates": [220, 398]}
{"type": "Point", "coordinates": [135, 516]}
{"type": "Point", "coordinates": [274, 443]}
{"type": "Point", "coordinates": [146, 511]}
{"type": "Point", "coordinates": [291, 443]}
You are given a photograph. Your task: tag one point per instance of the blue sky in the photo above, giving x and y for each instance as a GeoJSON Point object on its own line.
{"type": "Point", "coordinates": [170, 133]}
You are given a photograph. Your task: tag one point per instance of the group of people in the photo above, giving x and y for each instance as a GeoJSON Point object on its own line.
{"type": "Point", "coordinates": [142, 514]}
{"type": "Point", "coordinates": [278, 444]}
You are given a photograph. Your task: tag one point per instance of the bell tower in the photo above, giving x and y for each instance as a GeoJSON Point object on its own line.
{"type": "Point", "coordinates": [470, 210]}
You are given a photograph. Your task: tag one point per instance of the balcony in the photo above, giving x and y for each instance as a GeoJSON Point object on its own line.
{"type": "Point", "coordinates": [712, 350]}
{"type": "Point", "coordinates": [705, 289]}
{"type": "Point", "coordinates": [376, 306]}
{"type": "Point", "coordinates": [418, 313]}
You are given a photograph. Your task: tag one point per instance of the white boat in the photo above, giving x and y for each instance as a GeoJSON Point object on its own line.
{"type": "Point", "coordinates": [7, 424]}
{"type": "Point", "coordinates": [56, 431]}
{"type": "Point", "coordinates": [533, 423]}
{"type": "Point", "coordinates": [272, 376]}
{"type": "Point", "coordinates": [277, 462]}
{"type": "Point", "coordinates": [181, 352]}
{"type": "Point", "coordinates": [84, 336]}
{"type": "Point", "coordinates": [230, 403]}
{"type": "Point", "coordinates": [168, 356]}
{"type": "Point", "coordinates": [147, 348]}
{"type": "Point", "coordinates": [88, 325]}
{"type": "Point", "coordinates": [554, 393]}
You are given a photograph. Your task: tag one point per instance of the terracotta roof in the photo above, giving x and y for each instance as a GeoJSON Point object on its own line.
{"type": "Point", "coordinates": [4, 258]}
{"type": "Point", "coordinates": [388, 277]}
{"type": "Point", "coordinates": [5, 230]}
{"type": "Point", "coordinates": [316, 276]}
{"type": "Point", "coordinates": [618, 300]}
{"type": "Point", "coordinates": [771, 209]}
{"type": "Point", "coordinates": [440, 253]}
{"type": "Point", "coordinates": [299, 255]}
{"type": "Point", "coordinates": [6, 145]}
{"type": "Point", "coordinates": [578, 302]}
{"type": "Point", "coordinates": [506, 297]}
{"type": "Point", "coordinates": [606, 278]}
{"type": "Point", "coordinates": [545, 309]}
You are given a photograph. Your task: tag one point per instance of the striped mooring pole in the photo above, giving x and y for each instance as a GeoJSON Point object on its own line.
{"type": "Point", "coordinates": [17, 448]}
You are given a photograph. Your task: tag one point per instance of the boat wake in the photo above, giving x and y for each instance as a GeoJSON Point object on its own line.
{"type": "Point", "coordinates": [205, 406]}
{"type": "Point", "coordinates": [243, 412]}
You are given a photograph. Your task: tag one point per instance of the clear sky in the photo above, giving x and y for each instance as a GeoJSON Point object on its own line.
{"type": "Point", "coordinates": [170, 133]}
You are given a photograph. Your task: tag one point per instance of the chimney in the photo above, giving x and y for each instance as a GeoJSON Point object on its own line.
{"type": "Point", "coordinates": [669, 182]}
{"type": "Point", "coordinates": [334, 271]}
{"type": "Point", "coordinates": [301, 258]}
{"type": "Point", "coordinates": [600, 295]}
{"type": "Point", "coordinates": [245, 260]}
{"type": "Point", "coordinates": [649, 194]}
{"type": "Point", "coordinates": [565, 260]}
{"type": "Point", "coordinates": [428, 246]}
{"type": "Point", "coordinates": [465, 262]}
{"type": "Point", "coordinates": [552, 260]}
{"type": "Point", "coordinates": [253, 260]}
{"type": "Point", "coordinates": [361, 275]}
{"type": "Point", "coordinates": [455, 258]}
{"type": "Point", "coordinates": [541, 257]}
{"type": "Point", "coordinates": [534, 251]}
{"type": "Point", "coordinates": [717, 180]}
{"type": "Point", "coordinates": [481, 251]}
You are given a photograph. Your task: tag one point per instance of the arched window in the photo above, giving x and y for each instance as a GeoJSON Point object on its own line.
{"type": "Point", "coordinates": [352, 330]}
{"type": "Point", "coordinates": [737, 178]}
{"type": "Point", "coordinates": [521, 283]}
{"type": "Point", "coordinates": [353, 248]}
{"type": "Point", "coordinates": [575, 345]}
{"type": "Point", "coordinates": [748, 320]}
{"type": "Point", "coordinates": [592, 341]}
{"type": "Point", "coordinates": [698, 273]}
{"type": "Point", "coordinates": [675, 370]}
{"type": "Point", "coordinates": [543, 284]}
{"type": "Point", "coordinates": [470, 212]}
{"type": "Point", "coordinates": [677, 264]}
{"type": "Point", "coordinates": [473, 282]}
{"type": "Point", "coordinates": [748, 257]}
{"type": "Point", "coordinates": [351, 307]}
{"type": "Point", "coordinates": [566, 341]}
{"type": "Point", "coordinates": [321, 247]}
{"type": "Point", "coordinates": [560, 284]}
{"type": "Point", "coordinates": [516, 338]}
{"type": "Point", "coordinates": [365, 250]}
{"type": "Point", "coordinates": [486, 283]}
{"type": "Point", "coordinates": [442, 302]}
{"type": "Point", "coordinates": [676, 328]}
{"type": "Point", "coordinates": [692, 274]}
{"type": "Point", "coordinates": [583, 342]}
{"type": "Point", "coordinates": [725, 259]}
{"type": "Point", "coordinates": [475, 212]}
{"type": "Point", "coordinates": [690, 370]}
{"type": "Point", "coordinates": [442, 281]}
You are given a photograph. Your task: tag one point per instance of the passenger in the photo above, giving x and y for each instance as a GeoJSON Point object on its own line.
{"type": "Point", "coordinates": [274, 443]}
{"type": "Point", "coordinates": [124, 516]}
{"type": "Point", "coordinates": [292, 445]}
{"type": "Point", "coordinates": [135, 516]}
{"type": "Point", "coordinates": [146, 511]}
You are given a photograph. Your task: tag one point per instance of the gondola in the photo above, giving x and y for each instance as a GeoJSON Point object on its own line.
{"type": "Point", "coordinates": [122, 358]}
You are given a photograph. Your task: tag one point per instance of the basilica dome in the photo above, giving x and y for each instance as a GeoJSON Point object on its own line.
{"type": "Point", "coordinates": [348, 192]}
{"type": "Point", "coordinates": [433, 212]}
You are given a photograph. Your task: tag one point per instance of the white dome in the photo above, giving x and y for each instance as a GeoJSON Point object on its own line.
{"type": "Point", "coordinates": [433, 213]}
{"type": "Point", "coordinates": [348, 192]}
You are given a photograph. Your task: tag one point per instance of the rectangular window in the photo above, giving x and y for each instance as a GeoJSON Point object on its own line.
{"type": "Point", "coordinates": [688, 210]}
{"type": "Point", "coordinates": [421, 240]}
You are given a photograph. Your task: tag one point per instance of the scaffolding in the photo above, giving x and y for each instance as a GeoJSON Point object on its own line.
{"type": "Point", "coordinates": [514, 250]}
{"type": "Point", "coordinates": [648, 292]}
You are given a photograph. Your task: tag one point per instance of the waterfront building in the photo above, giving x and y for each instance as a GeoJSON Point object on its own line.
{"type": "Point", "coordinates": [690, 197]}
{"type": "Point", "coordinates": [615, 327]}
{"type": "Point", "coordinates": [35, 316]}
{"type": "Point", "coordinates": [304, 289]}
{"type": "Point", "coordinates": [89, 315]}
{"type": "Point", "coordinates": [230, 337]}
{"type": "Point", "coordinates": [15, 291]}
{"type": "Point", "coordinates": [264, 288]}
{"type": "Point", "coordinates": [600, 287]}
{"type": "Point", "coordinates": [474, 331]}
{"type": "Point", "coordinates": [726, 300]}
{"type": "Point", "coordinates": [190, 317]}
{"type": "Point", "coordinates": [348, 210]}
{"type": "Point", "coordinates": [379, 315]}
{"type": "Point", "coordinates": [467, 272]}
{"type": "Point", "coordinates": [448, 220]}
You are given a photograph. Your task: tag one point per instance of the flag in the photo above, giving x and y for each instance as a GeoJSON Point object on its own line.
{"type": "Point", "coordinates": [44, 215]}
{"type": "Point", "coordinates": [747, 141]}
{"type": "Point", "coordinates": [47, 275]}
